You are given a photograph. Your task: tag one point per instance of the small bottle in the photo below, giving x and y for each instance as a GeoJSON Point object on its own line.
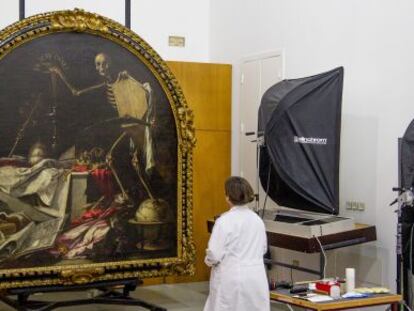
{"type": "Point", "coordinates": [335, 292]}
{"type": "Point", "coordinates": [350, 279]}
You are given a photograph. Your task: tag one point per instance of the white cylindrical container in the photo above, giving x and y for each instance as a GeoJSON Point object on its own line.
{"type": "Point", "coordinates": [350, 279]}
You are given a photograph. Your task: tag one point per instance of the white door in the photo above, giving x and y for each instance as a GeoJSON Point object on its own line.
{"type": "Point", "coordinates": [257, 75]}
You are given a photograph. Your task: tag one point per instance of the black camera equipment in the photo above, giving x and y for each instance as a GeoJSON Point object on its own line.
{"type": "Point", "coordinates": [405, 213]}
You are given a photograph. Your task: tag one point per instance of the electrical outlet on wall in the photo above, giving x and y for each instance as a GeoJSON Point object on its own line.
{"type": "Point", "coordinates": [361, 206]}
{"type": "Point", "coordinates": [355, 206]}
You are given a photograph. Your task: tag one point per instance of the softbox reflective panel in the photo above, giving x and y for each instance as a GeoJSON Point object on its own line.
{"type": "Point", "coordinates": [301, 123]}
{"type": "Point", "coordinates": [407, 157]}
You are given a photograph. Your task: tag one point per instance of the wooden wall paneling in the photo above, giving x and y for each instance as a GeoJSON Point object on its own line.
{"type": "Point", "coordinates": [211, 168]}
{"type": "Point", "coordinates": [207, 89]}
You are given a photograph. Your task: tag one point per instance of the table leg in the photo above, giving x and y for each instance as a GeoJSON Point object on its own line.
{"type": "Point", "coordinates": [395, 306]}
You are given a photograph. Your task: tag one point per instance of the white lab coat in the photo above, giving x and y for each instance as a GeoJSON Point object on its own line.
{"type": "Point", "coordinates": [235, 252]}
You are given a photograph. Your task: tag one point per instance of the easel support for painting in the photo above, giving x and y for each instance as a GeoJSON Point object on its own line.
{"type": "Point", "coordinates": [111, 293]}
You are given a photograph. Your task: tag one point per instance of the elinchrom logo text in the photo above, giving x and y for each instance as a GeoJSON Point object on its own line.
{"type": "Point", "coordinates": [310, 140]}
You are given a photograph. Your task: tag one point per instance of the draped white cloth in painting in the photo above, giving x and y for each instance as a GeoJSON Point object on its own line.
{"type": "Point", "coordinates": [50, 183]}
{"type": "Point", "coordinates": [235, 252]}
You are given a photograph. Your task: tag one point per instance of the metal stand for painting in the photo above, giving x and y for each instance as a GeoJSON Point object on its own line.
{"type": "Point", "coordinates": [111, 293]}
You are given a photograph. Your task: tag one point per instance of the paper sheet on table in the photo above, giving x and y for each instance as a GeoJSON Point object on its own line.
{"type": "Point", "coordinates": [320, 298]}
{"type": "Point", "coordinates": [315, 298]}
{"type": "Point", "coordinates": [355, 295]}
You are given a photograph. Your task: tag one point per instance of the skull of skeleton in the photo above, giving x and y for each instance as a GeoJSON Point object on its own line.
{"type": "Point", "coordinates": [102, 63]}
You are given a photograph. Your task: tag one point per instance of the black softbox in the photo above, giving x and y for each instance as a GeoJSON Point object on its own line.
{"type": "Point", "coordinates": [300, 120]}
{"type": "Point", "coordinates": [407, 157]}
{"type": "Point", "coordinates": [406, 218]}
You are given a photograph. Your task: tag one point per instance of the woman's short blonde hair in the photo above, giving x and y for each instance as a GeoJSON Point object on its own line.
{"type": "Point", "coordinates": [238, 190]}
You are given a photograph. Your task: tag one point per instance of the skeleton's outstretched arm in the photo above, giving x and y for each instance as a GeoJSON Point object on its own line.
{"type": "Point", "coordinates": [74, 90]}
{"type": "Point", "coordinates": [85, 90]}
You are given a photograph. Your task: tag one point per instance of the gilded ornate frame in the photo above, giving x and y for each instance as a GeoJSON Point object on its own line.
{"type": "Point", "coordinates": [81, 21]}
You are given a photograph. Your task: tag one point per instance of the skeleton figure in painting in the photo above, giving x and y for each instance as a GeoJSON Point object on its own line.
{"type": "Point", "coordinates": [117, 159]}
{"type": "Point", "coordinates": [131, 101]}
{"type": "Point", "coordinates": [126, 97]}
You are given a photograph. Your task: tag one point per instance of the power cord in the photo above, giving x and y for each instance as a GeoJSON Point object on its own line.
{"type": "Point", "coordinates": [324, 255]}
{"type": "Point", "coordinates": [291, 309]}
{"type": "Point", "coordinates": [267, 191]}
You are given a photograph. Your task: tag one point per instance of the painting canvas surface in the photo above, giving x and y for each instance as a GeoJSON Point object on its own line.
{"type": "Point", "coordinates": [88, 155]}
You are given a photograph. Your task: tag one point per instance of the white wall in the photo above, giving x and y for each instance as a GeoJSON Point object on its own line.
{"type": "Point", "coordinates": [153, 20]}
{"type": "Point", "coordinates": [9, 13]}
{"type": "Point", "coordinates": [372, 39]}
{"type": "Point", "coordinates": [112, 9]}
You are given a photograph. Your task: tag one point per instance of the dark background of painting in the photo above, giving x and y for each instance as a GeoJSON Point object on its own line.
{"type": "Point", "coordinates": [21, 84]}
{"type": "Point", "coordinates": [22, 87]}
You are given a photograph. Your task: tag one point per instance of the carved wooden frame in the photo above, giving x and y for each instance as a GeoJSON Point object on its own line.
{"type": "Point", "coordinates": [81, 21]}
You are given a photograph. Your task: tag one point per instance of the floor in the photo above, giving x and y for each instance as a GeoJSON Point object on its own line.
{"type": "Point", "coordinates": [173, 297]}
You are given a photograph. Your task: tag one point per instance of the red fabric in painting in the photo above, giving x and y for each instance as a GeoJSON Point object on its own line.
{"type": "Point", "coordinates": [80, 168]}
{"type": "Point", "coordinates": [96, 213]}
{"type": "Point", "coordinates": [102, 178]}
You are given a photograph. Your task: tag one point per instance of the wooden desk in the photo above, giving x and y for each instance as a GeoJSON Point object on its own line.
{"type": "Point", "coordinates": [392, 300]}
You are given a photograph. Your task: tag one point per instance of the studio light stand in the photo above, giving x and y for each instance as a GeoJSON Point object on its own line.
{"type": "Point", "coordinates": [404, 200]}
{"type": "Point", "coordinates": [259, 141]}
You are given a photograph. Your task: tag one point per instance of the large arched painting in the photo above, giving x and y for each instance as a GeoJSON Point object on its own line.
{"type": "Point", "coordinates": [95, 155]}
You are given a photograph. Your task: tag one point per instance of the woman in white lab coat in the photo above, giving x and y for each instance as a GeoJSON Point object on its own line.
{"type": "Point", "coordinates": [235, 252]}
